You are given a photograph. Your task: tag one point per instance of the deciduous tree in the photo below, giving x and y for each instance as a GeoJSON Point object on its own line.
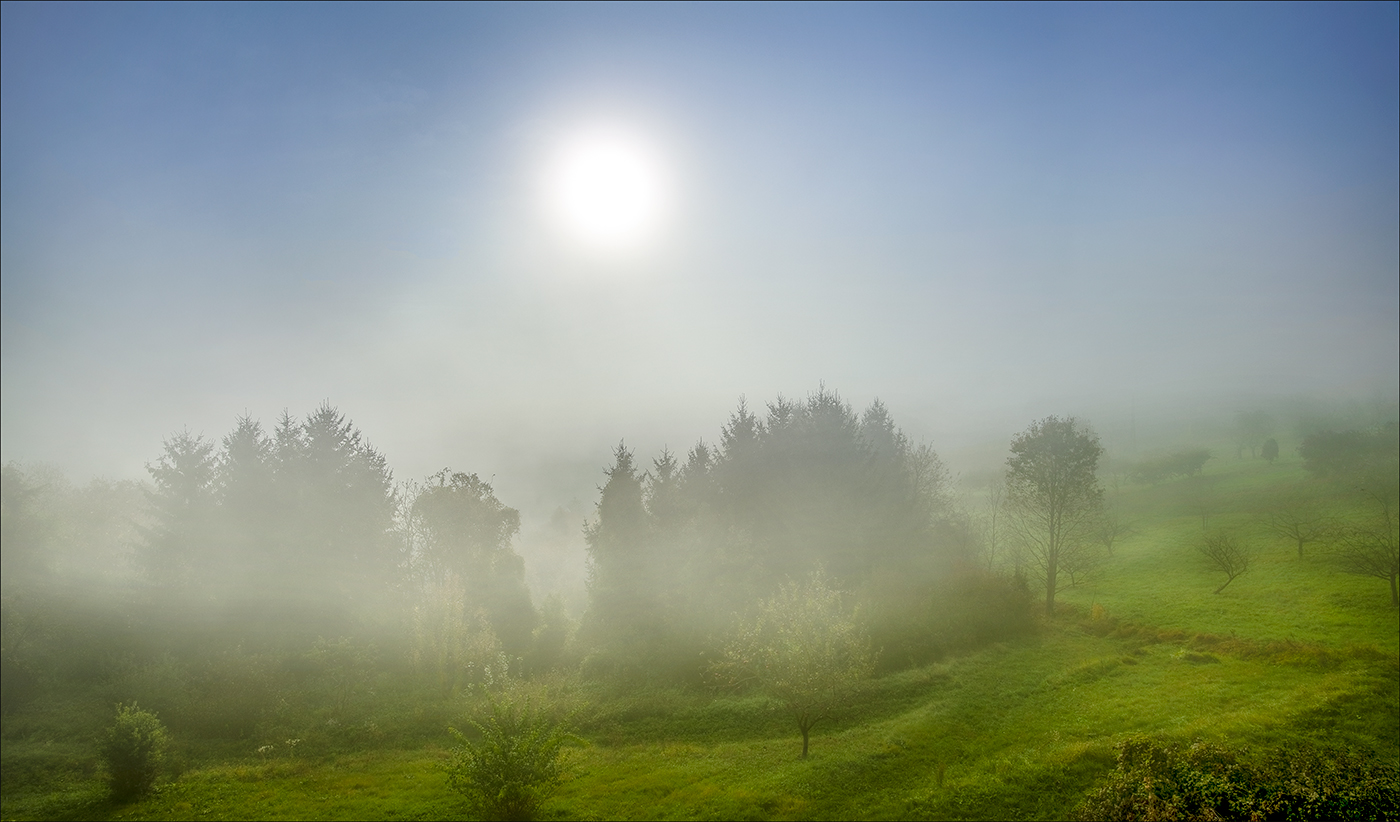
{"type": "Point", "coordinates": [805, 648]}
{"type": "Point", "coordinates": [466, 532]}
{"type": "Point", "coordinates": [1372, 548]}
{"type": "Point", "coordinates": [1269, 451]}
{"type": "Point", "coordinates": [1226, 554]}
{"type": "Point", "coordinates": [1054, 498]}
{"type": "Point", "coordinates": [1254, 428]}
{"type": "Point", "coordinates": [1299, 522]}
{"type": "Point", "coordinates": [1110, 529]}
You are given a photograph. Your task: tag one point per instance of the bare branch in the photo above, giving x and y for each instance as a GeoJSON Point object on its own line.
{"type": "Point", "coordinates": [1226, 554]}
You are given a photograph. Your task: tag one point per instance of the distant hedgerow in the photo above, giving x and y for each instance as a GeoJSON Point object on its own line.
{"type": "Point", "coordinates": [1157, 780]}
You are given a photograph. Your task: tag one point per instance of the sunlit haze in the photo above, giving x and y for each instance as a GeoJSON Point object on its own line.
{"type": "Point", "coordinates": [700, 410]}
{"type": "Point", "coordinates": [607, 190]}
{"type": "Point", "coordinates": [505, 238]}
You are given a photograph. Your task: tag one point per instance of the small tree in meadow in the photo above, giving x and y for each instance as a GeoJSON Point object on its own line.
{"type": "Point", "coordinates": [132, 751]}
{"type": "Point", "coordinates": [804, 648]}
{"type": "Point", "coordinates": [516, 763]}
{"type": "Point", "coordinates": [1270, 450]}
{"type": "Point", "coordinates": [1226, 554]}
{"type": "Point", "coordinates": [1372, 547]}
{"type": "Point", "coordinates": [1110, 529]}
{"type": "Point", "coordinates": [1299, 522]}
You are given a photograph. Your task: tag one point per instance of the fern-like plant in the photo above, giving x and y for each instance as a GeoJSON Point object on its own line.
{"type": "Point", "coordinates": [514, 765]}
{"type": "Point", "coordinates": [132, 751]}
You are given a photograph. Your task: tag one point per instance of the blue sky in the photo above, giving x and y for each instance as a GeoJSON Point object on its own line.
{"type": "Point", "coordinates": [980, 213]}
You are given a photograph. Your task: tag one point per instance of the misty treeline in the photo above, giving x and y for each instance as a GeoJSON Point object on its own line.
{"type": "Point", "coordinates": [301, 530]}
{"type": "Point", "coordinates": [682, 545]}
{"type": "Point", "coordinates": [291, 555]}
{"type": "Point", "coordinates": [269, 577]}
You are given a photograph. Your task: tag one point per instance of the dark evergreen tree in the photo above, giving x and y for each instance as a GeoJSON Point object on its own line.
{"type": "Point", "coordinates": [297, 527]}
{"type": "Point", "coordinates": [342, 521]}
{"type": "Point", "coordinates": [249, 508]}
{"type": "Point", "coordinates": [625, 615]}
{"type": "Point", "coordinates": [178, 550]}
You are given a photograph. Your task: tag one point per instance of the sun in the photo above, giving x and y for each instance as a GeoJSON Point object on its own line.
{"type": "Point", "coordinates": [607, 190]}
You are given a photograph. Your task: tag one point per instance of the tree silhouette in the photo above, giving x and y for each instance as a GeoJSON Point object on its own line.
{"type": "Point", "coordinates": [467, 534]}
{"type": "Point", "coordinates": [177, 547]}
{"type": "Point", "coordinates": [1227, 555]}
{"type": "Point", "coordinates": [1372, 548]}
{"type": "Point", "coordinates": [1054, 497]}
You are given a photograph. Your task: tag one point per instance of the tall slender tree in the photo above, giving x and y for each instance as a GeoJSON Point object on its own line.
{"type": "Point", "coordinates": [178, 546]}
{"type": "Point", "coordinates": [624, 611]}
{"type": "Point", "coordinates": [248, 504]}
{"type": "Point", "coordinates": [1053, 494]}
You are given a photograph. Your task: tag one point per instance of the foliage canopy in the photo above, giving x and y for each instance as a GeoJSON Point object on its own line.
{"type": "Point", "coordinates": [1053, 494]}
{"type": "Point", "coordinates": [803, 647]}
{"type": "Point", "coordinates": [1160, 780]}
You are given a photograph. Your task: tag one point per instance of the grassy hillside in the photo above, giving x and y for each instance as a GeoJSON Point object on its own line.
{"type": "Point", "coordinates": [1293, 651]}
{"type": "Point", "coordinates": [1158, 577]}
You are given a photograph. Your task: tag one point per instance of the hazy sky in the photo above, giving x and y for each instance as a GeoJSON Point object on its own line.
{"type": "Point", "coordinates": [979, 213]}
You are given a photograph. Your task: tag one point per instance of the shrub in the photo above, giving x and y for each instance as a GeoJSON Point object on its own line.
{"type": "Point", "coordinates": [1329, 454]}
{"type": "Point", "coordinates": [978, 607]}
{"type": "Point", "coordinates": [132, 752]}
{"type": "Point", "coordinates": [1184, 463]}
{"type": "Point", "coordinates": [1161, 780]}
{"type": "Point", "coordinates": [515, 765]}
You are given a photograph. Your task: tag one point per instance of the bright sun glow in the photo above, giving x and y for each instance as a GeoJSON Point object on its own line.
{"type": "Point", "coordinates": [607, 190]}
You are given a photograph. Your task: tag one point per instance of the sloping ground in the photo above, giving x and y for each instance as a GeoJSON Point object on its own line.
{"type": "Point", "coordinates": [1017, 731]}
{"type": "Point", "coordinates": [1291, 653]}
{"type": "Point", "coordinates": [1020, 730]}
{"type": "Point", "coordinates": [1158, 577]}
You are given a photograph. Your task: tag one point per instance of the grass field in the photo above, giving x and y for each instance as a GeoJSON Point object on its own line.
{"type": "Point", "coordinates": [1293, 651]}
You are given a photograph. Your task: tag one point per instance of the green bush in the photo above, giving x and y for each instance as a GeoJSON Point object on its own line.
{"type": "Point", "coordinates": [133, 751]}
{"type": "Point", "coordinates": [1157, 780]}
{"type": "Point", "coordinates": [516, 763]}
{"type": "Point", "coordinates": [913, 624]}
{"type": "Point", "coordinates": [1186, 462]}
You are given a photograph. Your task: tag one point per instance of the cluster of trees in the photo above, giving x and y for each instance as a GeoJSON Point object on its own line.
{"type": "Point", "coordinates": [272, 541]}
{"type": "Point", "coordinates": [301, 532]}
{"type": "Point", "coordinates": [1359, 464]}
{"type": "Point", "coordinates": [305, 528]}
{"type": "Point", "coordinates": [808, 523]}
{"type": "Point", "coordinates": [808, 548]}
{"type": "Point", "coordinates": [1255, 431]}
{"type": "Point", "coordinates": [677, 551]}
{"type": "Point", "coordinates": [302, 519]}
{"type": "Point", "coordinates": [1366, 543]}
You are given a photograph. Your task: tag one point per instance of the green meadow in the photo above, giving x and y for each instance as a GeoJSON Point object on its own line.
{"type": "Point", "coordinates": [1292, 652]}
